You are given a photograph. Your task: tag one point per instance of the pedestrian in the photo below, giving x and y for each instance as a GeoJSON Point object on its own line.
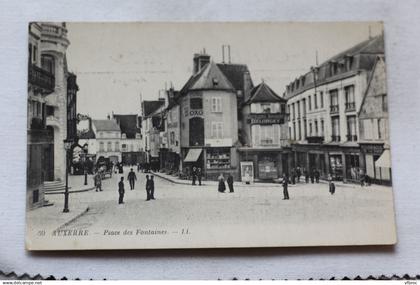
{"type": "Point", "coordinates": [331, 184]}
{"type": "Point", "coordinates": [285, 183]}
{"type": "Point", "coordinates": [306, 175]}
{"type": "Point", "coordinates": [293, 176]}
{"type": "Point", "coordinates": [121, 191]}
{"type": "Point", "coordinates": [138, 167]}
{"type": "Point", "coordinates": [120, 168]}
{"type": "Point", "coordinates": [199, 175]}
{"type": "Point", "coordinates": [230, 183]}
{"type": "Point", "coordinates": [317, 174]}
{"type": "Point", "coordinates": [152, 188]}
{"type": "Point", "coordinates": [148, 186]}
{"type": "Point", "coordinates": [222, 186]}
{"type": "Point", "coordinates": [298, 173]}
{"type": "Point", "coordinates": [131, 179]}
{"type": "Point", "coordinates": [194, 175]}
{"type": "Point", "coordinates": [313, 176]}
{"type": "Point", "coordinates": [98, 181]}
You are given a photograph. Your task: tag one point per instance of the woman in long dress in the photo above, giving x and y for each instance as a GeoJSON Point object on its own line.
{"type": "Point", "coordinates": [222, 185]}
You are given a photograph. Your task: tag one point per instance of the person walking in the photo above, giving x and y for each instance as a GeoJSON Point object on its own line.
{"type": "Point", "coordinates": [285, 184]}
{"type": "Point", "coordinates": [222, 186]}
{"type": "Point", "coordinates": [331, 184]}
{"type": "Point", "coordinates": [317, 174]}
{"type": "Point", "coordinates": [148, 188]}
{"type": "Point", "coordinates": [298, 173]}
{"type": "Point", "coordinates": [131, 178]}
{"type": "Point", "coordinates": [98, 181]}
{"type": "Point", "coordinates": [293, 178]}
{"type": "Point", "coordinates": [199, 175]}
{"type": "Point", "coordinates": [194, 175]}
{"type": "Point", "coordinates": [230, 183]}
{"type": "Point", "coordinates": [121, 191]}
{"type": "Point", "coordinates": [152, 188]}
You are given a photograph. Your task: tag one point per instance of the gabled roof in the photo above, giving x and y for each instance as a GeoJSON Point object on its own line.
{"type": "Point", "coordinates": [263, 93]}
{"type": "Point", "coordinates": [106, 125]}
{"type": "Point", "coordinates": [234, 73]}
{"type": "Point", "coordinates": [210, 77]}
{"type": "Point", "coordinates": [128, 125]}
{"type": "Point", "coordinates": [151, 106]}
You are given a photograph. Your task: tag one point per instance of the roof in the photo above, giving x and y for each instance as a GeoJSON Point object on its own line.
{"type": "Point", "coordinates": [210, 77]}
{"type": "Point", "coordinates": [263, 93]}
{"type": "Point", "coordinates": [151, 106]}
{"type": "Point", "coordinates": [373, 45]}
{"type": "Point", "coordinates": [234, 73]}
{"type": "Point", "coordinates": [106, 125]}
{"type": "Point", "coordinates": [89, 134]}
{"type": "Point", "coordinates": [128, 125]}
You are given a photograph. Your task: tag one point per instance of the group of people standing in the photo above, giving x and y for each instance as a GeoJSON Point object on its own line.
{"type": "Point", "coordinates": [132, 178]}
{"type": "Point", "coordinates": [312, 175]}
{"type": "Point", "coordinates": [222, 186]}
{"type": "Point", "coordinates": [196, 174]}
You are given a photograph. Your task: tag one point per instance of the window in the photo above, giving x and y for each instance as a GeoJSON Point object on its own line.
{"type": "Point", "coordinates": [266, 107]}
{"type": "Point", "coordinates": [305, 130]}
{"type": "Point", "coordinates": [196, 103]}
{"type": "Point", "coordinates": [335, 128]}
{"type": "Point", "coordinates": [124, 136]}
{"type": "Point", "coordinates": [384, 103]}
{"type": "Point", "coordinates": [310, 128]}
{"type": "Point", "coordinates": [298, 108]}
{"type": "Point", "coordinates": [321, 97]}
{"type": "Point", "coordinates": [349, 94]}
{"type": "Point", "coordinates": [124, 146]}
{"type": "Point", "coordinates": [131, 147]}
{"type": "Point", "coordinates": [217, 130]}
{"type": "Point", "coordinates": [351, 128]}
{"type": "Point", "coordinates": [109, 146]}
{"type": "Point", "coordinates": [316, 128]}
{"type": "Point", "coordinates": [290, 132]}
{"type": "Point", "coordinates": [283, 108]}
{"type": "Point", "coordinates": [101, 146]}
{"type": "Point", "coordinates": [48, 63]}
{"type": "Point", "coordinates": [299, 130]}
{"type": "Point", "coordinates": [30, 53]}
{"type": "Point", "coordinates": [304, 107]}
{"type": "Point", "coordinates": [117, 146]}
{"type": "Point", "coordinates": [35, 53]}
{"type": "Point", "coordinates": [309, 103]}
{"type": "Point", "coordinates": [315, 102]}
{"type": "Point", "coordinates": [216, 105]}
{"type": "Point", "coordinates": [379, 129]}
{"type": "Point", "coordinates": [172, 138]}
{"type": "Point", "coordinates": [293, 109]}
{"type": "Point", "coordinates": [322, 127]}
{"type": "Point", "coordinates": [266, 135]}
{"type": "Point", "coordinates": [294, 131]}
{"type": "Point", "coordinates": [334, 101]}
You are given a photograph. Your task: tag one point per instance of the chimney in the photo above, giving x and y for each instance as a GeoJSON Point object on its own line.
{"type": "Point", "coordinates": [247, 85]}
{"type": "Point", "coordinates": [200, 60]}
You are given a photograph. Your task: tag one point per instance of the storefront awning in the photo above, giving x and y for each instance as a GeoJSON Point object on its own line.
{"type": "Point", "coordinates": [193, 155]}
{"type": "Point", "coordinates": [384, 160]}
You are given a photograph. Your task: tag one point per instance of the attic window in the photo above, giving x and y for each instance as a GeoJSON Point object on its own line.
{"type": "Point", "coordinates": [215, 82]}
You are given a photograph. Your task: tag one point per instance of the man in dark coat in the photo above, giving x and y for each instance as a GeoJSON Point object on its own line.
{"type": "Point", "coordinates": [152, 188]}
{"type": "Point", "coordinates": [298, 174]}
{"type": "Point", "coordinates": [312, 176]}
{"type": "Point", "coordinates": [317, 174]}
{"type": "Point", "coordinates": [230, 183]}
{"type": "Point", "coordinates": [121, 191]}
{"type": "Point", "coordinates": [199, 175]}
{"type": "Point", "coordinates": [148, 188]}
{"type": "Point", "coordinates": [194, 175]}
{"type": "Point", "coordinates": [285, 184]}
{"type": "Point", "coordinates": [131, 178]}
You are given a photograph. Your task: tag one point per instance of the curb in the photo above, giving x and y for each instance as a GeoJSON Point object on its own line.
{"type": "Point", "coordinates": [73, 219]}
{"type": "Point", "coordinates": [74, 191]}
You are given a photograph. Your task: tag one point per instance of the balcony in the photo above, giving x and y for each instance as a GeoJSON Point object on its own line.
{"type": "Point", "coordinates": [351, 138]}
{"type": "Point", "coordinates": [41, 79]}
{"type": "Point", "coordinates": [350, 106]}
{"type": "Point", "coordinates": [334, 109]}
{"type": "Point", "coordinates": [315, 139]}
{"type": "Point", "coordinates": [335, 138]}
{"type": "Point", "coordinates": [37, 124]}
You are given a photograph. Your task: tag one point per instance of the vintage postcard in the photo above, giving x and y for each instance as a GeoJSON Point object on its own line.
{"type": "Point", "coordinates": [207, 135]}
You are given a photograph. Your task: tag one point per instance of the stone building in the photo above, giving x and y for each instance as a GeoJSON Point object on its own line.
{"type": "Point", "coordinates": [48, 107]}
{"type": "Point", "coordinates": [107, 142]}
{"type": "Point", "coordinates": [323, 104]}
{"type": "Point", "coordinates": [374, 126]}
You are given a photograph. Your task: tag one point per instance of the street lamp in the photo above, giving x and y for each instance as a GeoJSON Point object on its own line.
{"type": "Point", "coordinates": [85, 151]}
{"type": "Point", "coordinates": [67, 147]}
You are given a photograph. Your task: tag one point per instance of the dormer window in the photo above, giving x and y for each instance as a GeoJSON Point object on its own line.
{"type": "Point", "coordinates": [215, 82]}
{"type": "Point", "coordinates": [349, 62]}
{"type": "Point", "coordinates": [137, 136]}
{"type": "Point", "coordinates": [124, 136]}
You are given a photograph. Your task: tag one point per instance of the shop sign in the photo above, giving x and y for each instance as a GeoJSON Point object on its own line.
{"type": "Point", "coordinates": [195, 113]}
{"type": "Point", "coordinates": [247, 171]}
{"type": "Point", "coordinates": [266, 119]}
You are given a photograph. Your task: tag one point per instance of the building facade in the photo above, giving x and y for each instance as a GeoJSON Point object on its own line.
{"type": "Point", "coordinates": [374, 127]}
{"type": "Point", "coordinates": [323, 104]}
{"type": "Point", "coordinates": [264, 133]}
{"type": "Point", "coordinates": [107, 142]}
{"type": "Point", "coordinates": [48, 107]}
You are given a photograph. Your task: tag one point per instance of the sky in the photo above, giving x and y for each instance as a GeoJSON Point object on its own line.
{"type": "Point", "coordinates": [119, 64]}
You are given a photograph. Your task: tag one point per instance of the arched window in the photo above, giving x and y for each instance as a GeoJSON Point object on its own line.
{"type": "Point", "coordinates": [109, 146]}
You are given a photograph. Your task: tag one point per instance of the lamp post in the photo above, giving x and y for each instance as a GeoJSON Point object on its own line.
{"type": "Point", "coordinates": [67, 147]}
{"type": "Point", "coordinates": [85, 151]}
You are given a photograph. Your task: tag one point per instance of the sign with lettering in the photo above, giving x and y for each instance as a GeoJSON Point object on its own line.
{"type": "Point", "coordinates": [266, 119]}
{"type": "Point", "coordinates": [194, 113]}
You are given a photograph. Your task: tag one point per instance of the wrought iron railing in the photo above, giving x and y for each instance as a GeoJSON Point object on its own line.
{"type": "Point", "coordinates": [41, 78]}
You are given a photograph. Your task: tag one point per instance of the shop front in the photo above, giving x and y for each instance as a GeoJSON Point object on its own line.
{"type": "Point", "coordinates": [377, 162]}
